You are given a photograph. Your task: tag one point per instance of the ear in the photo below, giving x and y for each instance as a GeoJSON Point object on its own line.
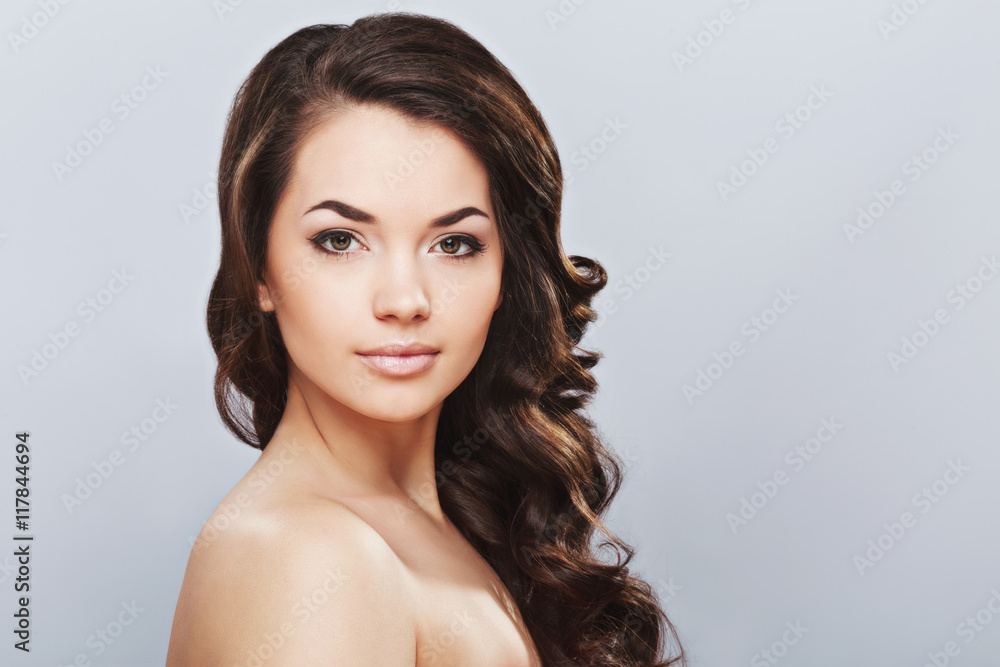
{"type": "Point", "coordinates": [264, 297]}
{"type": "Point", "coordinates": [499, 300]}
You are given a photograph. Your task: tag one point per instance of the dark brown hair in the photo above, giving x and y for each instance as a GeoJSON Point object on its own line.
{"type": "Point", "coordinates": [521, 469]}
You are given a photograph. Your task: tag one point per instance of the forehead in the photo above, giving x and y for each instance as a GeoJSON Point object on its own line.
{"type": "Point", "coordinates": [376, 157]}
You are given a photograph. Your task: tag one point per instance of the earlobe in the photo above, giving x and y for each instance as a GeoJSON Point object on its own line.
{"type": "Point", "coordinates": [499, 301]}
{"type": "Point", "coordinates": [264, 297]}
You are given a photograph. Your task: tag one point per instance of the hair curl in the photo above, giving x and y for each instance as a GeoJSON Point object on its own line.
{"type": "Point", "coordinates": [531, 500]}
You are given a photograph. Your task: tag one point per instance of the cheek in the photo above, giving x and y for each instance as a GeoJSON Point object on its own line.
{"type": "Point", "coordinates": [464, 307]}
{"type": "Point", "coordinates": [314, 315]}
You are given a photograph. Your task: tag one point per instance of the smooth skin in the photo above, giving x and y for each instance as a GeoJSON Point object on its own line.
{"type": "Point", "coordinates": [334, 549]}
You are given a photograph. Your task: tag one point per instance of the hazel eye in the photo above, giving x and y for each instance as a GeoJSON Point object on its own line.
{"type": "Point", "coordinates": [339, 241]}
{"type": "Point", "coordinates": [451, 245]}
{"type": "Point", "coordinates": [334, 242]}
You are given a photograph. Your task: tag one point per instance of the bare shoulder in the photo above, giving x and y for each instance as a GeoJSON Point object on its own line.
{"type": "Point", "coordinates": [292, 585]}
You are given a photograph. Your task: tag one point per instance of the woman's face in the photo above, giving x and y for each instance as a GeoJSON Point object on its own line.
{"type": "Point", "coordinates": [384, 235]}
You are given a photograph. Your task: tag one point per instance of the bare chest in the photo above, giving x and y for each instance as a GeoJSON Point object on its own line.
{"type": "Point", "coordinates": [468, 619]}
{"type": "Point", "coordinates": [461, 611]}
{"type": "Point", "coordinates": [464, 613]}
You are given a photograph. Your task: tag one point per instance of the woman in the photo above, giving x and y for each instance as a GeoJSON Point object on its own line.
{"type": "Point", "coordinates": [396, 326]}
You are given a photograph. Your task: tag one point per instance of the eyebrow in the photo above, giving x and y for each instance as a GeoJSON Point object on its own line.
{"type": "Point", "coordinates": [357, 215]}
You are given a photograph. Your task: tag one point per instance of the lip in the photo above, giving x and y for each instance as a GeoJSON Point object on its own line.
{"type": "Point", "coordinates": [398, 349]}
{"type": "Point", "coordinates": [398, 364]}
{"type": "Point", "coordinates": [399, 359]}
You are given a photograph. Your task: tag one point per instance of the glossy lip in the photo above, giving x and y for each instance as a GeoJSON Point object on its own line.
{"type": "Point", "coordinates": [397, 349]}
{"type": "Point", "coordinates": [399, 359]}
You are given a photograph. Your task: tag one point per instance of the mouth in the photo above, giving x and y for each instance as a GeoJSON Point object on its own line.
{"type": "Point", "coordinates": [399, 364]}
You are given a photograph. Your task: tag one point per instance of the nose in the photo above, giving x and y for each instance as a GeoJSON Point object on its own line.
{"type": "Point", "coordinates": [400, 291]}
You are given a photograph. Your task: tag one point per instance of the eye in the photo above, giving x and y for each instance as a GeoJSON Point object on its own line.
{"type": "Point", "coordinates": [334, 241]}
{"type": "Point", "coordinates": [337, 242]}
{"type": "Point", "coordinates": [451, 244]}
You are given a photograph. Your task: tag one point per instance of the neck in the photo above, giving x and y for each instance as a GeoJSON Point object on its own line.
{"type": "Point", "coordinates": [355, 456]}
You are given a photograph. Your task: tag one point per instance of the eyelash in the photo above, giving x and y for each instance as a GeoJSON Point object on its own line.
{"type": "Point", "coordinates": [476, 248]}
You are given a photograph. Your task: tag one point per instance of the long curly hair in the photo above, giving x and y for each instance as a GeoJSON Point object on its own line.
{"type": "Point", "coordinates": [521, 470]}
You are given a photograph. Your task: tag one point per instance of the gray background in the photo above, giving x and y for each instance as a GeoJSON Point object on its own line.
{"type": "Point", "coordinates": [690, 462]}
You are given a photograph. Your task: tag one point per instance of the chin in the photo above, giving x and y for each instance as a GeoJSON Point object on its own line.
{"type": "Point", "coordinates": [398, 408]}
{"type": "Point", "coordinates": [395, 399]}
